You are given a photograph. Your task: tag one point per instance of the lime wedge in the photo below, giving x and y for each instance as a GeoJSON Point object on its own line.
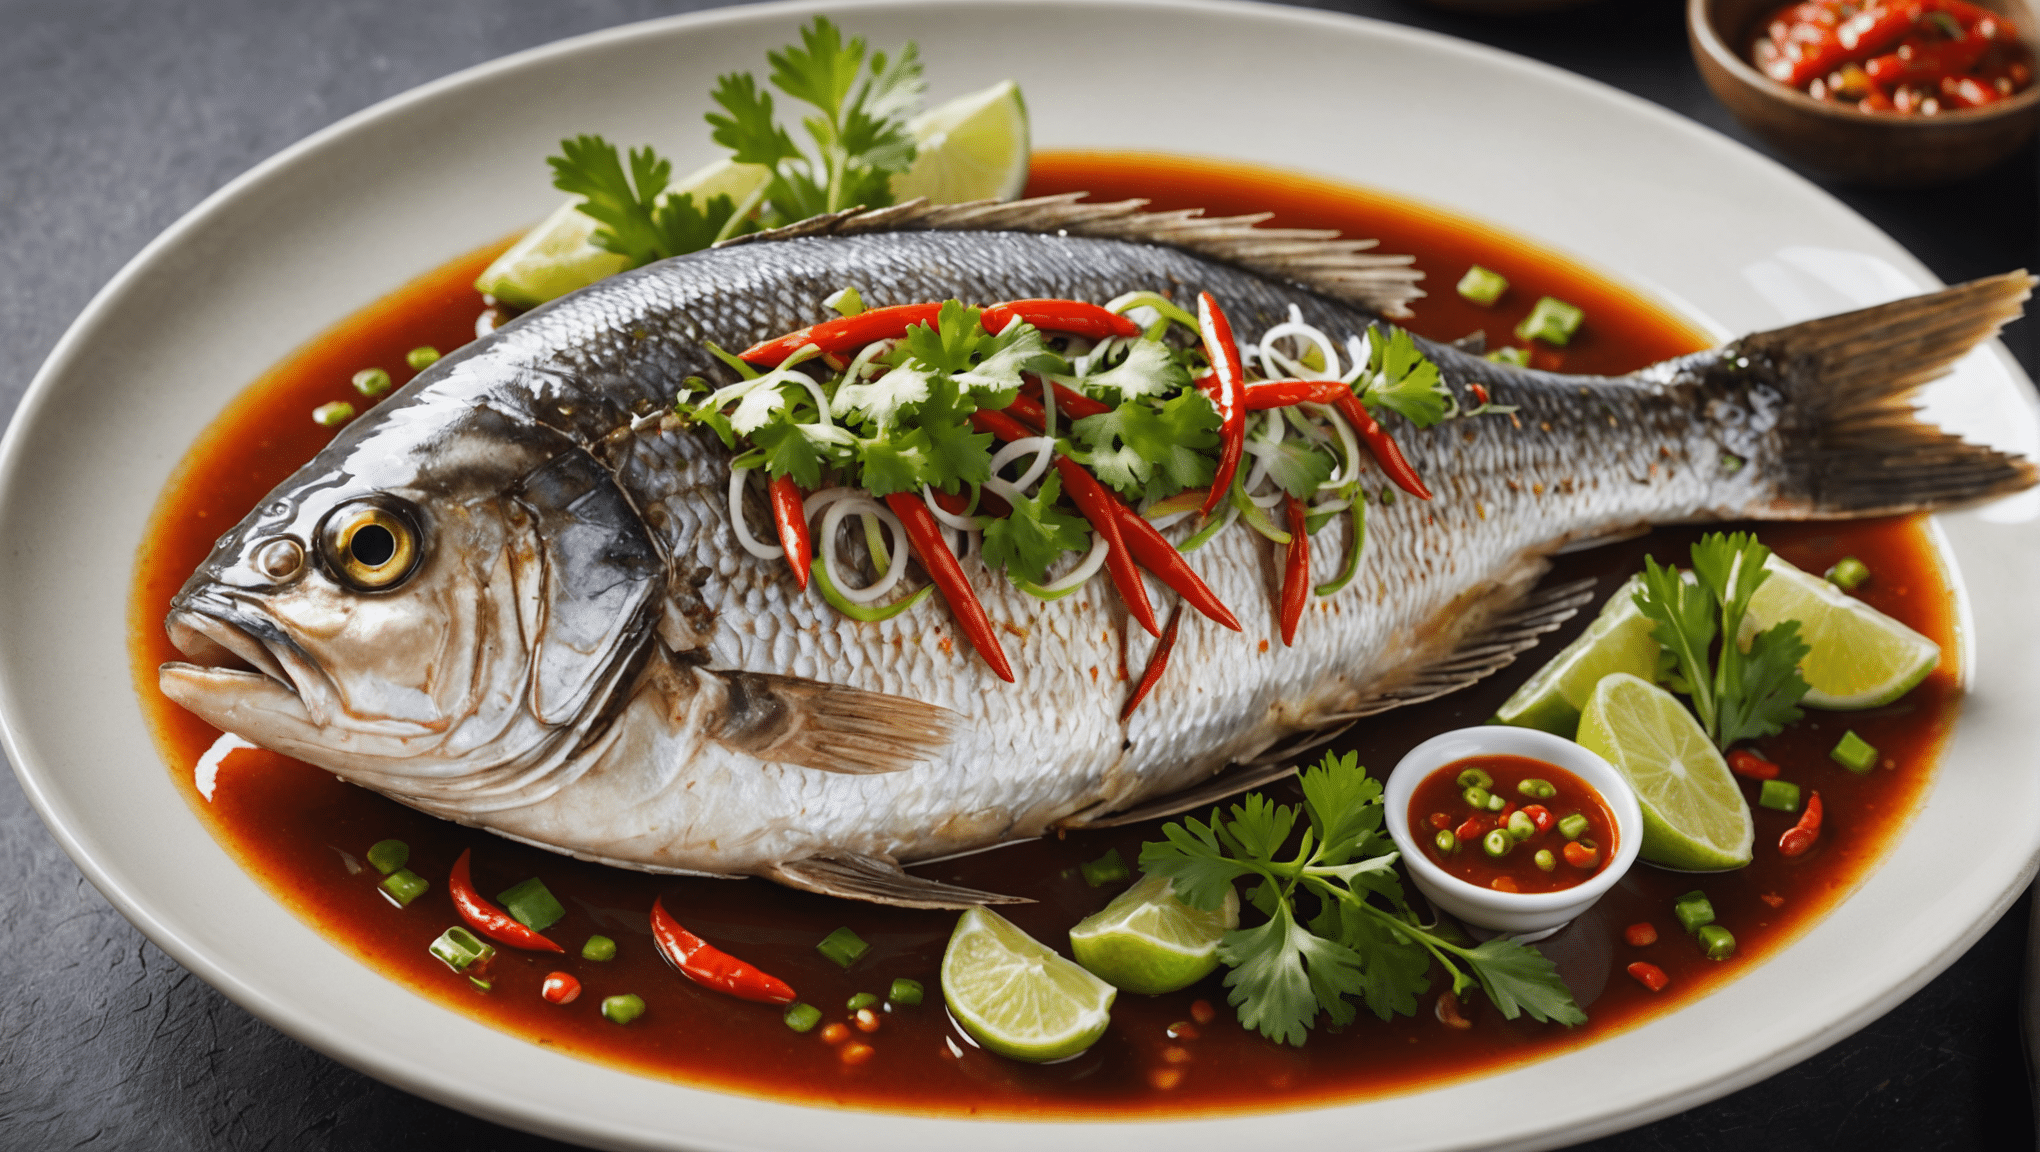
{"type": "Point", "coordinates": [560, 255]}
{"type": "Point", "coordinates": [1018, 997]}
{"type": "Point", "coordinates": [974, 147]}
{"type": "Point", "coordinates": [1860, 657]}
{"type": "Point", "coordinates": [1619, 640]}
{"type": "Point", "coordinates": [1148, 941]}
{"type": "Point", "coordinates": [1694, 816]}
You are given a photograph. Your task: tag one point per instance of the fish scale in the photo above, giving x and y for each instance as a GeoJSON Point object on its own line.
{"type": "Point", "coordinates": [753, 729]}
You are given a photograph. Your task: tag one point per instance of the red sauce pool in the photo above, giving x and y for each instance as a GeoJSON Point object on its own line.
{"type": "Point", "coordinates": [1440, 804]}
{"type": "Point", "coordinates": [302, 834]}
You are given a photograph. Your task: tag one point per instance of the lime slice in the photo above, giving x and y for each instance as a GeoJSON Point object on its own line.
{"type": "Point", "coordinates": [1860, 657]}
{"type": "Point", "coordinates": [1016, 996]}
{"type": "Point", "coordinates": [560, 255]}
{"type": "Point", "coordinates": [1148, 941]}
{"type": "Point", "coordinates": [974, 147]}
{"type": "Point", "coordinates": [1619, 640]}
{"type": "Point", "coordinates": [1694, 816]}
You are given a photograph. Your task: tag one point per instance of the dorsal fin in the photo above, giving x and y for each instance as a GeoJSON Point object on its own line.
{"type": "Point", "coordinates": [1313, 258]}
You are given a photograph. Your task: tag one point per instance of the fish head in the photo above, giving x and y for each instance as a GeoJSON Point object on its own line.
{"type": "Point", "coordinates": [424, 602]}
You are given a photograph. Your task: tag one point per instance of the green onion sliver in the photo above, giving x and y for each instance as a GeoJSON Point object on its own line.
{"type": "Point", "coordinates": [532, 905]}
{"type": "Point", "coordinates": [1573, 826]}
{"type": "Point", "coordinates": [1169, 309]}
{"type": "Point", "coordinates": [1847, 573]}
{"type": "Point", "coordinates": [599, 949]}
{"type": "Point", "coordinates": [802, 1017]}
{"type": "Point", "coordinates": [1694, 910]}
{"type": "Point", "coordinates": [1854, 753]}
{"type": "Point", "coordinates": [480, 984]}
{"type": "Point", "coordinates": [844, 301]}
{"type": "Point", "coordinates": [371, 381]}
{"type": "Point", "coordinates": [1514, 357]}
{"type": "Point", "coordinates": [1475, 778]}
{"type": "Point", "coordinates": [1107, 869]}
{"type": "Point", "coordinates": [389, 855]}
{"type": "Point", "coordinates": [333, 415]}
{"type": "Point", "coordinates": [1038, 591]}
{"type": "Point", "coordinates": [852, 608]}
{"type": "Point", "coordinates": [861, 1000]}
{"type": "Point", "coordinates": [1482, 286]}
{"type": "Point", "coordinates": [1211, 528]}
{"type": "Point", "coordinates": [623, 1009]}
{"type": "Point", "coordinates": [1353, 549]}
{"type": "Point", "coordinates": [904, 991]}
{"type": "Point", "coordinates": [1544, 860]}
{"type": "Point", "coordinates": [843, 946]}
{"type": "Point", "coordinates": [404, 886]}
{"type": "Point", "coordinates": [1256, 518]}
{"type": "Point", "coordinates": [1718, 942]}
{"type": "Point", "coordinates": [1551, 320]}
{"type": "Point", "coordinates": [1779, 795]}
{"type": "Point", "coordinates": [461, 948]}
{"type": "Point", "coordinates": [422, 357]}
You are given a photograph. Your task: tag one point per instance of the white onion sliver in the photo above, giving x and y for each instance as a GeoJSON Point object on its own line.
{"type": "Point", "coordinates": [1349, 443]}
{"type": "Point", "coordinates": [1093, 560]}
{"type": "Point", "coordinates": [1305, 332]}
{"type": "Point", "coordinates": [834, 520]}
{"type": "Point", "coordinates": [751, 543]}
{"type": "Point", "coordinates": [1044, 451]}
{"type": "Point", "coordinates": [1161, 522]}
{"type": "Point", "coordinates": [948, 519]}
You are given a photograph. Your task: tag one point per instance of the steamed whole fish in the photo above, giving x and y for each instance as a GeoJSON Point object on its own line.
{"type": "Point", "coordinates": [510, 595]}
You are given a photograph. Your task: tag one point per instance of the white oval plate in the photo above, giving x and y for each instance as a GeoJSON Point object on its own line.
{"type": "Point", "coordinates": [352, 212]}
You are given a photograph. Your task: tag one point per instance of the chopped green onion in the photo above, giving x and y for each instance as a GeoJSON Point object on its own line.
{"type": "Point", "coordinates": [843, 946]}
{"type": "Point", "coordinates": [844, 301]}
{"type": "Point", "coordinates": [1447, 841]}
{"type": "Point", "coordinates": [623, 1009]}
{"type": "Point", "coordinates": [599, 949]}
{"type": "Point", "coordinates": [1255, 516]}
{"type": "Point", "coordinates": [852, 608]}
{"type": "Point", "coordinates": [1495, 803]}
{"type": "Point", "coordinates": [404, 886]}
{"type": "Point", "coordinates": [1847, 573]}
{"type": "Point", "coordinates": [1482, 286]}
{"type": "Point", "coordinates": [333, 415]}
{"type": "Point", "coordinates": [1779, 795]}
{"type": "Point", "coordinates": [1544, 860]}
{"type": "Point", "coordinates": [1694, 910]}
{"type": "Point", "coordinates": [371, 381]}
{"type": "Point", "coordinates": [904, 991]}
{"type": "Point", "coordinates": [1476, 796]}
{"type": "Point", "coordinates": [1521, 826]}
{"type": "Point", "coordinates": [1573, 827]}
{"type": "Point", "coordinates": [461, 948]}
{"type": "Point", "coordinates": [802, 1017]}
{"type": "Point", "coordinates": [1513, 357]}
{"type": "Point", "coordinates": [389, 855]}
{"type": "Point", "coordinates": [1475, 778]}
{"type": "Point", "coordinates": [1854, 753]}
{"type": "Point", "coordinates": [861, 1000]}
{"type": "Point", "coordinates": [422, 357]}
{"type": "Point", "coordinates": [1497, 843]}
{"type": "Point", "coordinates": [1719, 942]}
{"type": "Point", "coordinates": [1537, 789]}
{"type": "Point", "coordinates": [1353, 547]}
{"type": "Point", "coordinates": [480, 984]}
{"type": "Point", "coordinates": [1551, 320]}
{"type": "Point", "coordinates": [1107, 869]}
{"type": "Point", "coordinates": [532, 905]}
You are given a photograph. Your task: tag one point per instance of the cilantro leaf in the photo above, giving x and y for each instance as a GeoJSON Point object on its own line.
{"type": "Point", "coordinates": [746, 126]}
{"type": "Point", "coordinates": [1344, 805]}
{"type": "Point", "coordinates": [1005, 357]}
{"type": "Point", "coordinates": [790, 452]}
{"type": "Point", "coordinates": [1118, 464]}
{"type": "Point", "coordinates": [956, 454]}
{"type": "Point", "coordinates": [1299, 467]}
{"type": "Point", "coordinates": [1149, 369]}
{"type": "Point", "coordinates": [1195, 861]}
{"type": "Point", "coordinates": [948, 344]}
{"type": "Point", "coordinates": [1402, 380]}
{"type": "Point", "coordinates": [821, 68]}
{"type": "Point", "coordinates": [1397, 969]}
{"type": "Point", "coordinates": [1762, 688]}
{"type": "Point", "coordinates": [1283, 974]}
{"type": "Point", "coordinates": [1260, 826]}
{"type": "Point", "coordinates": [1517, 978]}
{"type": "Point", "coordinates": [1682, 615]}
{"type": "Point", "coordinates": [1174, 440]}
{"type": "Point", "coordinates": [1035, 535]}
{"type": "Point", "coordinates": [588, 166]}
{"type": "Point", "coordinates": [881, 402]}
{"type": "Point", "coordinates": [894, 463]}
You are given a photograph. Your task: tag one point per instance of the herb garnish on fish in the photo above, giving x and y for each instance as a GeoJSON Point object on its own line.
{"type": "Point", "coordinates": [1363, 941]}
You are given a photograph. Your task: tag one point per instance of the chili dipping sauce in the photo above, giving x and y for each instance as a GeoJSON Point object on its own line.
{"type": "Point", "coordinates": [1552, 829]}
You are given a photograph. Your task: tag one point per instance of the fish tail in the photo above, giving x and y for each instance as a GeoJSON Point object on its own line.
{"type": "Point", "coordinates": [1854, 445]}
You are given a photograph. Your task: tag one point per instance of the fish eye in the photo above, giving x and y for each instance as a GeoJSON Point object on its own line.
{"type": "Point", "coordinates": [370, 545]}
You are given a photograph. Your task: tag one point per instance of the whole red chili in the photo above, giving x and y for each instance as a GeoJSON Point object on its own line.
{"type": "Point", "coordinates": [485, 917]}
{"type": "Point", "coordinates": [844, 334]}
{"type": "Point", "coordinates": [1097, 505]}
{"type": "Point", "coordinates": [711, 967]}
{"type": "Point", "coordinates": [1295, 570]}
{"type": "Point", "coordinates": [1076, 317]}
{"type": "Point", "coordinates": [1152, 551]}
{"type": "Point", "coordinates": [790, 516]}
{"type": "Point", "coordinates": [1262, 395]}
{"type": "Point", "coordinates": [924, 535]}
{"type": "Point", "coordinates": [1383, 446]}
{"type": "Point", "coordinates": [1157, 664]}
{"type": "Point", "coordinates": [1227, 388]}
{"type": "Point", "coordinates": [1801, 836]}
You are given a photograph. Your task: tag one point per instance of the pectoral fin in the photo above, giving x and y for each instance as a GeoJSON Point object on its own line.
{"type": "Point", "coordinates": [855, 876]}
{"type": "Point", "coordinates": [788, 720]}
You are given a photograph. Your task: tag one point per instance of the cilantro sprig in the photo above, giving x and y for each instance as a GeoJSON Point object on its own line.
{"type": "Point", "coordinates": [1338, 927]}
{"type": "Point", "coordinates": [859, 134]}
{"type": "Point", "coordinates": [1737, 693]}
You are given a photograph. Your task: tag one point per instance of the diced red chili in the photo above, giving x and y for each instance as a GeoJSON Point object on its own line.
{"type": "Point", "coordinates": [1744, 762]}
{"type": "Point", "coordinates": [1650, 975]}
{"type": "Point", "coordinates": [1641, 934]}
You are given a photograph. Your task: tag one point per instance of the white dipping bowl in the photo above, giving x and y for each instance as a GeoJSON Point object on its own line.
{"type": "Point", "coordinates": [1525, 915]}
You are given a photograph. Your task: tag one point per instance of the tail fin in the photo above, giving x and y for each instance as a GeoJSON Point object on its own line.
{"type": "Point", "coordinates": [1849, 382]}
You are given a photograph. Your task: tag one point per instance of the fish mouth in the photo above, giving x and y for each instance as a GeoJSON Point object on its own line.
{"type": "Point", "coordinates": [231, 659]}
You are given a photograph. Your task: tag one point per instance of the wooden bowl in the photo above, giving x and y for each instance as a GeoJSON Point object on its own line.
{"type": "Point", "coordinates": [1864, 147]}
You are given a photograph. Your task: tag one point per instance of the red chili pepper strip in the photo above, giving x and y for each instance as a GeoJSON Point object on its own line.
{"type": "Point", "coordinates": [1157, 664]}
{"type": "Point", "coordinates": [1101, 508]}
{"type": "Point", "coordinates": [791, 519]}
{"type": "Point", "coordinates": [1641, 934]}
{"type": "Point", "coordinates": [844, 334]}
{"type": "Point", "coordinates": [1295, 571]}
{"type": "Point", "coordinates": [925, 536]}
{"type": "Point", "coordinates": [1540, 816]}
{"type": "Point", "coordinates": [1227, 387]}
{"type": "Point", "coordinates": [711, 967]}
{"type": "Point", "coordinates": [1262, 395]}
{"type": "Point", "coordinates": [1469, 829]}
{"type": "Point", "coordinates": [485, 917]}
{"type": "Point", "coordinates": [1152, 551]}
{"type": "Point", "coordinates": [1650, 975]}
{"type": "Point", "coordinates": [1001, 424]}
{"type": "Point", "coordinates": [1800, 837]}
{"type": "Point", "coordinates": [1744, 762]}
{"type": "Point", "coordinates": [1028, 410]}
{"type": "Point", "coordinates": [1928, 63]}
{"type": "Point", "coordinates": [1383, 446]}
{"type": "Point", "coordinates": [1076, 317]}
{"type": "Point", "coordinates": [1069, 402]}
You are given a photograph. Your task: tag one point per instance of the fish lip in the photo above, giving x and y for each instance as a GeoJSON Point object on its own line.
{"type": "Point", "coordinates": [222, 637]}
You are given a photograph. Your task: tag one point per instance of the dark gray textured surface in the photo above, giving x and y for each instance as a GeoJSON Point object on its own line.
{"type": "Point", "coordinates": [116, 117]}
